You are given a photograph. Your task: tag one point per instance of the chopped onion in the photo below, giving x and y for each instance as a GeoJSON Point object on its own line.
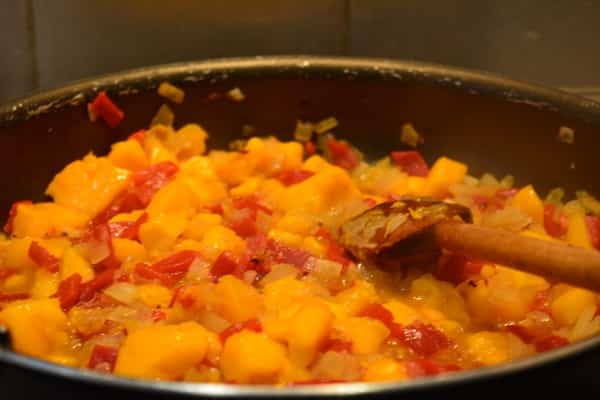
{"type": "Point", "coordinates": [124, 292]}
{"type": "Point", "coordinates": [199, 271]}
{"type": "Point", "coordinates": [326, 125]}
{"type": "Point", "coordinates": [279, 271]}
{"type": "Point", "coordinates": [326, 272]}
{"type": "Point", "coordinates": [249, 276]}
{"type": "Point", "coordinates": [304, 131]}
{"type": "Point", "coordinates": [555, 196]}
{"type": "Point", "coordinates": [164, 116]}
{"type": "Point", "coordinates": [508, 218]}
{"type": "Point", "coordinates": [337, 366]}
{"type": "Point", "coordinates": [409, 136]}
{"type": "Point", "coordinates": [588, 202]}
{"type": "Point", "coordinates": [586, 325]}
{"type": "Point", "coordinates": [236, 94]}
{"type": "Point", "coordinates": [212, 321]}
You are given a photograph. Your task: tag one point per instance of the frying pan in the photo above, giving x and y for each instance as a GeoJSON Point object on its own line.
{"type": "Point", "coordinates": [492, 123]}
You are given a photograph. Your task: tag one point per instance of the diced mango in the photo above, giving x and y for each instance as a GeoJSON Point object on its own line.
{"type": "Point", "coordinates": [250, 357]}
{"type": "Point", "coordinates": [46, 219]}
{"type": "Point", "coordinates": [314, 246]}
{"type": "Point", "coordinates": [155, 149]}
{"type": "Point", "coordinates": [415, 185]}
{"type": "Point", "coordinates": [577, 231]}
{"type": "Point", "coordinates": [73, 263]}
{"type": "Point", "coordinates": [287, 238]}
{"type": "Point", "coordinates": [296, 223]}
{"type": "Point", "coordinates": [288, 291]}
{"type": "Point", "coordinates": [444, 173]}
{"type": "Point", "coordinates": [440, 295]}
{"type": "Point", "coordinates": [218, 239]}
{"type": "Point", "coordinates": [16, 254]}
{"type": "Point", "coordinates": [246, 188]}
{"type": "Point", "coordinates": [155, 295]}
{"type": "Point", "coordinates": [175, 198]}
{"type": "Point", "coordinates": [162, 352]}
{"type": "Point", "coordinates": [366, 334]}
{"type": "Point", "coordinates": [403, 314]}
{"type": "Point", "coordinates": [270, 156]}
{"type": "Point", "coordinates": [357, 297]}
{"type": "Point", "coordinates": [199, 168]}
{"type": "Point", "coordinates": [88, 185]}
{"type": "Point", "coordinates": [308, 330]}
{"type": "Point", "coordinates": [128, 154]}
{"type": "Point", "coordinates": [199, 224]}
{"type": "Point", "coordinates": [45, 284]}
{"type": "Point", "coordinates": [487, 348]}
{"type": "Point", "coordinates": [567, 307]}
{"type": "Point", "coordinates": [237, 301]}
{"type": "Point", "coordinates": [38, 327]}
{"type": "Point", "coordinates": [160, 233]}
{"type": "Point", "coordinates": [127, 250]}
{"type": "Point", "coordinates": [528, 201]}
{"type": "Point", "coordinates": [385, 369]}
{"type": "Point", "coordinates": [189, 141]}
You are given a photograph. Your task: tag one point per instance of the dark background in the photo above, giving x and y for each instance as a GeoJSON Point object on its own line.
{"type": "Point", "coordinates": [44, 43]}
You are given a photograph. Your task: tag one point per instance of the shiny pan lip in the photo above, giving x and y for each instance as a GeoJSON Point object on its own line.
{"type": "Point", "coordinates": [130, 82]}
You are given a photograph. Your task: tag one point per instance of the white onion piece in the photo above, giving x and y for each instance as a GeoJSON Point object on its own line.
{"type": "Point", "coordinates": [124, 292]}
{"type": "Point", "coordinates": [279, 271]}
{"type": "Point", "coordinates": [212, 321]}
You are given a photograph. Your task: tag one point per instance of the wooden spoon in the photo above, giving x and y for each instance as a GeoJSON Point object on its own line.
{"type": "Point", "coordinates": [397, 230]}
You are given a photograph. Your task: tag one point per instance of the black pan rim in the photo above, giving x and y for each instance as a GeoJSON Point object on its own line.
{"type": "Point", "coordinates": [131, 81]}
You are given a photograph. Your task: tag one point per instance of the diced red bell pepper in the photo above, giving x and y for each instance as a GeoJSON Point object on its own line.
{"type": "Point", "coordinates": [252, 203]}
{"type": "Point", "coordinates": [410, 162]}
{"type": "Point", "coordinates": [139, 136]}
{"type": "Point", "coordinates": [506, 193]}
{"type": "Point", "coordinates": [338, 345]}
{"type": "Point", "coordinates": [250, 325]}
{"type": "Point", "coordinates": [101, 281]}
{"type": "Point", "coordinates": [457, 268]}
{"type": "Point", "coordinates": [281, 253]}
{"type": "Point", "coordinates": [216, 209]}
{"type": "Point", "coordinates": [8, 227]}
{"type": "Point", "coordinates": [69, 291]}
{"type": "Point", "coordinates": [593, 225]}
{"type": "Point", "coordinates": [103, 358]}
{"type": "Point", "coordinates": [294, 176]}
{"type": "Point", "coordinates": [341, 154]}
{"type": "Point", "coordinates": [168, 270]}
{"type": "Point", "coordinates": [225, 264]}
{"type": "Point", "coordinates": [423, 339]}
{"type": "Point", "coordinates": [427, 367]}
{"type": "Point", "coordinates": [243, 222]}
{"type": "Point", "coordinates": [549, 343]}
{"type": "Point", "coordinates": [127, 229]}
{"type": "Point", "coordinates": [377, 311]}
{"type": "Point", "coordinates": [370, 202]}
{"type": "Point", "coordinates": [541, 301]}
{"type": "Point", "coordinates": [555, 222]}
{"type": "Point", "coordinates": [310, 149]}
{"type": "Point", "coordinates": [42, 257]}
{"type": "Point", "coordinates": [138, 194]}
{"type": "Point", "coordinates": [102, 106]}
{"type": "Point", "coordinates": [335, 252]}
{"type": "Point", "coordinates": [97, 244]}
{"type": "Point", "coordinates": [14, 296]}
{"type": "Point", "coordinates": [158, 315]}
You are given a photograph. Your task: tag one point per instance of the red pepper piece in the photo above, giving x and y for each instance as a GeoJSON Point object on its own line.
{"type": "Point", "coordinates": [593, 225]}
{"type": "Point", "coordinates": [550, 343]}
{"type": "Point", "coordinates": [127, 229]}
{"type": "Point", "coordinates": [310, 149]}
{"type": "Point", "coordinates": [69, 291]}
{"type": "Point", "coordinates": [541, 301]}
{"type": "Point", "coordinates": [335, 252]}
{"type": "Point", "coordinates": [507, 193]}
{"type": "Point", "coordinates": [423, 339]}
{"type": "Point", "coordinates": [142, 187]}
{"type": "Point", "coordinates": [177, 263]}
{"type": "Point", "coordinates": [225, 264]}
{"type": "Point", "coordinates": [158, 315]}
{"type": "Point", "coordinates": [243, 223]}
{"type": "Point", "coordinates": [42, 257]}
{"type": "Point", "coordinates": [101, 281]}
{"type": "Point", "coordinates": [140, 136]}
{"type": "Point", "coordinates": [251, 202]}
{"type": "Point", "coordinates": [250, 325]}
{"type": "Point", "coordinates": [370, 202]}
{"type": "Point", "coordinates": [555, 222]}
{"type": "Point", "coordinates": [103, 107]}
{"type": "Point", "coordinates": [457, 268]}
{"type": "Point", "coordinates": [103, 358]}
{"type": "Point", "coordinates": [6, 272]}
{"type": "Point", "coordinates": [8, 227]}
{"type": "Point", "coordinates": [338, 345]}
{"type": "Point", "coordinates": [410, 162]}
{"type": "Point", "coordinates": [294, 176]}
{"type": "Point", "coordinates": [97, 243]}
{"type": "Point", "coordinates": [281, 253]}
{"type": "Point", "coordinates": [341, 154]}
{"type": "Point", "coordinates": [426, 367]}
{"type": "Point", "coordinates": [13, 296]}
{"type": "Point", "coordinates": [377, 311]}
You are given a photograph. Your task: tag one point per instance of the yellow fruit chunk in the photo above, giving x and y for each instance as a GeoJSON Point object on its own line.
{"type": "Point", "coordinates": [16, 255]}
{"type": "Point", "coordinates": [289, 239]}
{"type": "Point", "coordinates": [577, 232]}
{"type": "Point", "coordinates": [199, 224]}
{"type": "Point", "coordinates": [38, 327]}
{"type": "Point", "coordinates": [155, 149]}
{"type": "Point", "coordinates": [171, 92]}
{"type": "Point", "coordinates": [250, 357]}
{"type": "Point", "coordinates": [385, 369]}
{"type": "Point", "coordinates": [270, 156]}
{"type": "Point", "coordinates": [162, 352]}
{"type": "Point", "coordinates": [237, 301]}
{"type": "Point", "coordinates": [73, 263]}
{"type": "Point", "coordinates": [288, 291]}
{"type": "Point", "coordinates": [567, 307]}
{"type": "Point", "coordinates": [528, 201]}
{"type": "Point", "coordinates": [128, 154]}
{"type": "Point", "coordinates": [443, 174]}
{"type": "Point", "coordinates": [127, 250]}
{"type": "Point", "coordinates": [308, 330]}
{"type": "Point", "coordinates": [415, 185]}
{"type": "Point", "coordinates": [487, 348]}
{"type": "Point", "coordinates": [88, 185]}
{"type": "Point", "coordinates": [357, 297]}
{"type": "Point", "coordinates": [175, 198]}
{"type": "Point", "coordinates": [366, 334]}
{"type": "Point", "coordinates": [218, 239]}
{"type": "Point", "coordinates": [295, 223]}
{"type": "Point", "coordinates": [45, 219]}
{"type": "Point", "coordinates": [403, 314]}
{"type": "Point", "coordinates": [45, 284]}
{"type": "Point", "coordinates": [159, 234]}
{"type": "Point", "coordinates": [188, 141]}
{"type": "Point", "coordinates": [155, 295]}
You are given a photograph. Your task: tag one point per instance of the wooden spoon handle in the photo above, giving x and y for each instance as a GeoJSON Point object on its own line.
{"type": "Point", "coordinates": [555, 261]}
